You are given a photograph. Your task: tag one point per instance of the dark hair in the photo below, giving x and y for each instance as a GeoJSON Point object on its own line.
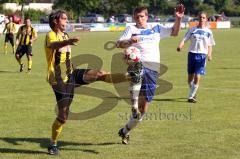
{"type": "Point", "coordinates": [140, 9]}
{"type": "Point", "coordinates": [55, 15]}
{"type": "Point", "coordinates": [202, 12]}
{"type": "Point", "coordinates": [26, 18]}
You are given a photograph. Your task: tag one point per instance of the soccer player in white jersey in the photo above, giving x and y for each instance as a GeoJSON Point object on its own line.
{"type": "Point", "coordinates": [146, 37]}
{"type": "Point", "coordinates": [202, 40]}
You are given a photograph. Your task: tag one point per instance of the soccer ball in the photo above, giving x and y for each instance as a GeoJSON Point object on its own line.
{"type": "Point", "coordinates": [132, 54]}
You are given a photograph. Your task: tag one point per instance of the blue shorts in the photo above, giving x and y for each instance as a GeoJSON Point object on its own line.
{"type": "Point", "coordinates": [196, 63]}
{"type": "Point", "coordinates": [149, 83]}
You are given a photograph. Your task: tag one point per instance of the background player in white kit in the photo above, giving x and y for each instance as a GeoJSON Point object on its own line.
{"type": "Point", "coordinates": [202, 40]}
{"type": "Point", "coordinates": [146, 37]}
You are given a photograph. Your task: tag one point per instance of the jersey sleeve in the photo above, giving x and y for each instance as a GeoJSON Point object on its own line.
{"type": "Point", "coordinates": [211, 40]}
{"type": "Point", "coordinates": [34, 33]}
{"type": "Point", "coordinates": [127, 34]}
{"type": "Point", "coordinates": [50, 37]}
{"type": "Point", "coordinates": [165, 31]}
{"type": "Point", "coordinates": [187, 35]}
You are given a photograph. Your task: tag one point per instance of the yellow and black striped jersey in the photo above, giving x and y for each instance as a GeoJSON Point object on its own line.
{"type": "Point", "coordinates": [10, 27]}
{"type": "Point", "coordinates": [25, 34]}
{"type": "Point", "coordinates": [58, 60]}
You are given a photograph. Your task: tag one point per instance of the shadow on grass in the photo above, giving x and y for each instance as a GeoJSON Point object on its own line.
{"type": "Point", "coordinates": [172, 100]}
{"type": "Point", "coordinates": [229, 68]}
{"type": "Point", "coordinates": [44, 144]}
{"type": "Point", "coordinates": [5, 71]}
{"type": "Point", "coordinates": [20, 151]}
{"type": "Point", "coordinates": [156, 99]}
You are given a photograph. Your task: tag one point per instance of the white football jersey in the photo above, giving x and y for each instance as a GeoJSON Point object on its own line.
{"type": "Point", "coordinates": [149, 39]}
{"type": "Point", "coordinates": [200, 38]}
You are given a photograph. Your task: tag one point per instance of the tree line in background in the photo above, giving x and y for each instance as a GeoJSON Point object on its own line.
{"type": "Point", "coordinates": [157, 7]}
{"type": "Point", "coordinates": [110, 7]}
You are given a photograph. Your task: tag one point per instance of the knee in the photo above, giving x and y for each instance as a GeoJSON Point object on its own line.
{"type": "Point", "coordinates": [63, 117]}
{"type": "Point", "coordinates": [63, 114]}
{"type": "Point", "coordinates": [142, 111]}
{"type": "Point", "coordinates": [62, 121]}
{"type": "Point", "coordinates": [100, 74]}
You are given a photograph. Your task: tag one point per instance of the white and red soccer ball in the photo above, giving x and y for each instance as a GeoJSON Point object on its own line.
{"type": "Point", "coordinates": [132, 54]}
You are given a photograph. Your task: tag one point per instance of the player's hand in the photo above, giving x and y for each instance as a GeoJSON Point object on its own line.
{"type": "Point", "coordinates": [180, 46]}
{"type": "Point", "coordinates": [179, 11]}
{"type": "Point", "coordinates": [73, 40]}
{"type": "Point", "coordinates": [134, 39]}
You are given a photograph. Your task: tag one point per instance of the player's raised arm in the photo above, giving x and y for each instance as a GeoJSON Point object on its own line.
{"type": "Point", "coordinates": [126, 43]}
{"type": "Point", "coordinates": [60, 44]}
{"type": "Point", "coordinates": [179, 13]}
{"type": "Point", "coordinates": [127, 39]}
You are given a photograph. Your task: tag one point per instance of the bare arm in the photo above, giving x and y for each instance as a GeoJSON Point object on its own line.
{"type": "Point", "coordinates": [209, 53]}
{"type": "Point", "coordinates": [126, 43]}
{"type": "Point", "coordinates": [4, 30]}
{"type": "Point", "coordinates": [181, 45]}
{"type": "Point", "coordinates": [176, 27]}
{"type": "Point", "coordinates": [17, 36]}
{"type": "Point", "coordinates": [179, 13]}
{"type": "Point", "coordinates": [60, 44]}
{"type": "Point", "coordinates": [34, 39]}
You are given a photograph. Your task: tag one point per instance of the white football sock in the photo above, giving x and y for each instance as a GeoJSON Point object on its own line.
{"type": "Point", "coordinates": [134, 93]}
{"type": "Point", "coordinates": [193, 91]}
{"type": "Point", "coordinates": [190, 84]}
{"type": "Point", "coordinates": [132, 123]}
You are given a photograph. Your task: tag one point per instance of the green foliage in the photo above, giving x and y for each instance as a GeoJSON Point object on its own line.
{"type": "Point", "coordinates": [80, 7]}
{"type": "Point", "coordinates": [159, 7]}
{"type": "Point", "coordinates": [235, 22]}
{"type": "Point", "coordinates": [207, 8]}
{"type": "Point", "coordinates": [7, 11]}
{"type": "Point", "coordinates": [34, 14]}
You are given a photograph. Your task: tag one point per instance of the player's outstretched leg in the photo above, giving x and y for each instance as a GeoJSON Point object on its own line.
{"type": "Point", "coordinates": [100, 75]}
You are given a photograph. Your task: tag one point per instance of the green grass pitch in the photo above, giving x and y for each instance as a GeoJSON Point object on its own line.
{"type": "Point", "coordinates": [173, 129]}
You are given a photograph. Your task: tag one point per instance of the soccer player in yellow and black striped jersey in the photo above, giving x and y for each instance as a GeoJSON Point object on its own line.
{"type": "Point", "coordinates": [10, 29]}
{"type": "Point", "coordinates": [62, 77]}
{"type": "Point", "coordinates": [25, 37]}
